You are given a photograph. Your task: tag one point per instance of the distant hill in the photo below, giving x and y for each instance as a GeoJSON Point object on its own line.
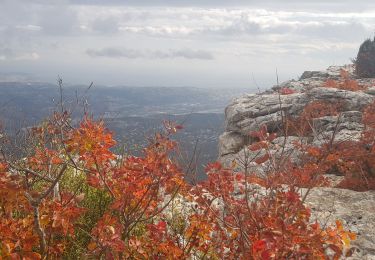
{"type": "Point", "coordinates": [133, 113]}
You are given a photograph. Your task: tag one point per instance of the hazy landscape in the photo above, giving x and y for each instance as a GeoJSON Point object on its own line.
{"type": "Point", "coordinates": [133, 113]}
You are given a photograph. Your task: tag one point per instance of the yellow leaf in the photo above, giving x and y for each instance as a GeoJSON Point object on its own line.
{"type": "Point", "coordinates": [346, 240]}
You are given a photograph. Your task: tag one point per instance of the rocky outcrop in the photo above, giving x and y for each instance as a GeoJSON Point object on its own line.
{"type": "Point", "coordinates": [247, 113]}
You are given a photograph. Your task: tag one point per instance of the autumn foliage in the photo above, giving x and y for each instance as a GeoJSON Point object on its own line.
{"type": "Point", "coordinates": [303, 124]}
{"type": "Point", "coordinates": [286, 91]}
{"type": "Point", "coordinates": [355, 160]}
{"type": "Point", "coordinates": [71, 196]}
{"type": "Point", "coordinates": [344, 83]}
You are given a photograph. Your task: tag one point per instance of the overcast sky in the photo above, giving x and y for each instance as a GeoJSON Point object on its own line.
{"type": "Point", "coordinates": [202, 43]}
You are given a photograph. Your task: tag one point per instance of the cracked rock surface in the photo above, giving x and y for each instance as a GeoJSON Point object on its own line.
{"type": "Point", "coordinates": [355, 209]}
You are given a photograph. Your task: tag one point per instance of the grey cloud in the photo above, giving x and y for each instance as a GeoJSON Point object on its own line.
{"type": "Point", "coordinates": [266, 31]}
{"type": "Point", "coordinates": [336, 31]}
{"type": "Point", "coordinates": [115, 53]}
{"type": "Point", "coordinates": [14, 11]}
{"type": "Point", "coordinates": [325, 30]}
{"type": "Point", "coordinates": [334, 5]}
{"type": "Point", "coordinates": [51, 17]}
{"type": "Point", "coordinates": [6, 53]}
{"type": "Point", "coordinates": [247, 25]}
{"type": "Point", "coordinates": [150, 54]}
{"type": "Point", "coordinates": [106, 25]}
{"type": "Point", "coordinates": [58, 20]}
{"type": "Point", "coordinates": [192, 54]}
{"type": "Point", "coordinates": [211, 2]}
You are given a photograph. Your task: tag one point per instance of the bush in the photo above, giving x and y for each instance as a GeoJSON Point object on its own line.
{"type": "Point", "coordinates": [344, 83]}
{"type": "Point", "coordinates": [72, 197]}
{"type": "Point", "coordinates": [352, 159]}
{"type": "Point", "coordinates": [365, 61]}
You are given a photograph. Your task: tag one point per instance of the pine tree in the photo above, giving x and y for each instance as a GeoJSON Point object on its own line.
{"type": "Point", "coordinates": [365, 61]}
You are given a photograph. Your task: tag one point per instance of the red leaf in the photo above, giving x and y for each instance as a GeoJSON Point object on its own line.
{"type": "Point", "coordinates": [258, 145]}
{"type": "Point", "coordinates": [262, 159]}
{"type": "Point", "coordinates": [259, 246]}
{"type": "Point", "coordinates": [286, 91]}
{"type": "Point", "coordinates": [216, 166]}
{"type": "Point", "coordinates": [292, 196]}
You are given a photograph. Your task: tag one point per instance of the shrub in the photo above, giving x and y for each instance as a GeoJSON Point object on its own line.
{"type": "Point", "coordinates": [352, 159]}
{"type": "Point", "coordinates": [303, 124]}
{"type": "Point", "coordinates": [72, 197]}
{"type": "Point", "coordinates": [345, 83]}
{"type": "Point", "coordinates": [365, 61]}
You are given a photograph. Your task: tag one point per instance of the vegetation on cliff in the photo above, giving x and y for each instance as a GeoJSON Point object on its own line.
{"type": "Point", "coordinates": [71, 196]}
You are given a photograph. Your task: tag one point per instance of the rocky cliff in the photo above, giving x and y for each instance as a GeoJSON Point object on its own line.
{"type": "Point", "coordinates": [247, 113]}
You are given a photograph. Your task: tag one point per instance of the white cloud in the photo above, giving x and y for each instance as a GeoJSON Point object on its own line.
{"type": "Point", "coordinates": [229, 23]}
{"type": "Point", "coordinates": [29, 27]}
{"type": "Point", "coordinates": [176, 31]}
{"type": "Point", "coordinates": [150, 54]}
{"type": "Point", "coordinates": [27, 56]}
{"type": "Point", "coordinates": [9, 54]}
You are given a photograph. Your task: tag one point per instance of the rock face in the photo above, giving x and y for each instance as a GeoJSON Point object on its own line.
{"type": "Point", "coordinates": [247, 113]}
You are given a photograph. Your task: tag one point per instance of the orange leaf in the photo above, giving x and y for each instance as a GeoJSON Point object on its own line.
{"type": "Point", "coordinates": [92, 246]}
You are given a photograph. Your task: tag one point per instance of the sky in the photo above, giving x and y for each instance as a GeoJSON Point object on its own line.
{"type": "Point", "coordinates": [198, 43]}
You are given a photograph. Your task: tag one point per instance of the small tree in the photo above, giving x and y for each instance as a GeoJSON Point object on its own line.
{"type": "Point", "coordinates": [365, 61]}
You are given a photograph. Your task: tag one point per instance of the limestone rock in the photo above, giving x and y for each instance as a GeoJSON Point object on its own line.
{"type": "Point", "coordinates": [355, 209]}
{"type": "Point", "coordinates": [345, 127]}
{"type": "Point", "coordinates": [232, 142]}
